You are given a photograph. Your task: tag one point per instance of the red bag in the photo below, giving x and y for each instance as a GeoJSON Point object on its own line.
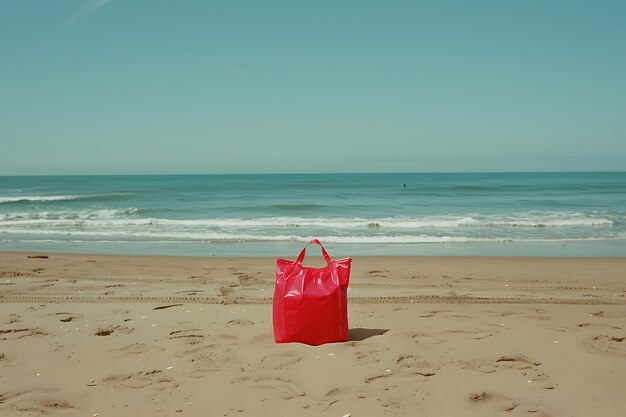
{"type": "Point", "coordinates": [311, 304]}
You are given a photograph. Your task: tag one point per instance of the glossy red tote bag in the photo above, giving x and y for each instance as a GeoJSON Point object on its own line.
{"type": "Point", "coordinates": [311, 304]}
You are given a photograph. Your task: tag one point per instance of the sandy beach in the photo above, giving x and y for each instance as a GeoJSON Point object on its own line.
{"type": "Point", "coordinates": [96, 335]}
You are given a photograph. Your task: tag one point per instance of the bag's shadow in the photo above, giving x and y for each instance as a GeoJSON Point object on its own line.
{"type": "Point", "coordinates": [360, 333]}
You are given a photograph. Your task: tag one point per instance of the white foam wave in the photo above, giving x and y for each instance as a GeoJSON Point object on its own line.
{"type": "Point", "coordinates": [47, 198]}
{"type": "Point", "coordinates": [126, 224]}
{"type": "Point", "coordinates": [65, 217]}
{"type": "Point", "coordinates": [13, 199]}
{"type": "Point", "coordinates": [120, 218]}
{"type": "Point", "coordinates": [577, 220]}
{"type": "Point", "coordinates": [416, 223]}
{"type": "Point", "coordinates": [409, 239]}
{"type": "Point", "coordinates": [173, 236]}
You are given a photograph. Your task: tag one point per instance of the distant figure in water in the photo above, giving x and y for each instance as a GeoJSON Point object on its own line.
{"type": "Point", "coordinates": [404, 185]}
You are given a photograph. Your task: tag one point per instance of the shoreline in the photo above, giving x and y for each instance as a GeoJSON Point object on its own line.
{"type": "Point", "coordinates": [192, 336]}
{"type": "Point", "coordinates": [570, 249]}
{"type": "Point", "coordinates": [293, 254]}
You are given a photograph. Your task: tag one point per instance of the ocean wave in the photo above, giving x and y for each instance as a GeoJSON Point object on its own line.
{"type": "Point", "coordinates": [403, 222]}
{"type": "Point", "coordinates": [16, 199]}
{"type": "Point", "coordinates": [130, 217]}
{"type": "Point", "coordinates": [67, 216]}
{"type": "Point", "coordinates": [50, 198]}
{"type": "Point", "coordinates": [409, 239]}
{"type": "Point", "coordinates": [212, 237]}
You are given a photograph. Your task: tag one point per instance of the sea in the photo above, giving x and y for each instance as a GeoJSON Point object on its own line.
{"type": "Point", "coordinates": [469, 214]}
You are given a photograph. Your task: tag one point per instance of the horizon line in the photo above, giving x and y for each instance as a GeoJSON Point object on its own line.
{"type": "Point", "coordinates": [312, 173]}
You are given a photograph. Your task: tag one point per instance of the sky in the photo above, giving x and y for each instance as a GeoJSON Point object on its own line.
{"type": "Point", "coordinates": [154, 86]}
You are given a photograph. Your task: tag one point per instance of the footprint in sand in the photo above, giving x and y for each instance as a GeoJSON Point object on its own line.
{"type": "Point", "coordinates": [610, 314]}
{"type": "Point", "coordinates": [50, 404]}
{"type": "Point", "coordinates": [331, 398]}
{"type": "Point", "coordinates": [368, 354]}
{"type": "Point", "coordinates": [529, 368]}
{"type": "Point", "coordinates": [517, 362]}
{"type": "Point", "coordinates": [415, 365]}
{"type": "Point", "coordinates": [245, 279]}
{"type": "Point", "coordinates": [34, 402]}
{"type": "Point", "coordinates": [497, 402]}
{"type": "Point", "coordinates": [109, 330]}
{"type": "Point", "coordinates": [206, 359]}
{"type": "Point", "coordinates": [478, 365]}
{"type": "Point", "coordinates": [279, 360]}
{"type": "Point", "coordinates": [141, 379]}
{"type": "Point", "coordinates": [426, 338]}
{"type": "Point", "coordinates": [67, 317]}
{"type": "Point", "coordinates": [20, 333]}
{"type": "Point", "coordinates": [283, 388]}
{"type": "Point", "coordinates": [607, 345]}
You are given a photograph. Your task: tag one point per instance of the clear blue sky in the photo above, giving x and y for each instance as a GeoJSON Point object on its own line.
{"type": "Point", "coordinates": [149, 86]}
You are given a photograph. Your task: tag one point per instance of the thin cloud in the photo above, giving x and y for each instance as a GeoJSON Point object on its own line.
{"type": "Point", "coordinates": [92, 6]}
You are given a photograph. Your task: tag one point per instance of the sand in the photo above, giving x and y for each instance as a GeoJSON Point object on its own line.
{"type": "Point", "coordinates": [88, 335]}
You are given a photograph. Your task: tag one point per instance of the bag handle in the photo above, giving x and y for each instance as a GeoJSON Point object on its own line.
{"type": "Point", "coordinates": [313, 242]}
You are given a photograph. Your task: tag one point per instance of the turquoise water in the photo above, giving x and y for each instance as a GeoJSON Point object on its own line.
{"type": "Point", "coordinates": [553, 214]}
